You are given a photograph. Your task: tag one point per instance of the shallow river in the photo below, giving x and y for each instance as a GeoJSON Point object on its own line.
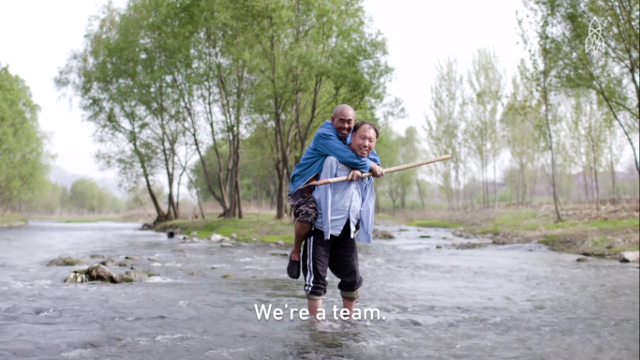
{"type": "Point", "coordinates": [496, 302]}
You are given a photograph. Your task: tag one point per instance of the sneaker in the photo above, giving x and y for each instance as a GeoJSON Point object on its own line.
{"type": "Point", "coordinates": [293, 269]}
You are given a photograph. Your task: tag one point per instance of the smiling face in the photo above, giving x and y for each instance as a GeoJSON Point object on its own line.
{"type": "Point", "coordinates": [343, 119]}
{"type": "Point", "coordinates": [363, 141]}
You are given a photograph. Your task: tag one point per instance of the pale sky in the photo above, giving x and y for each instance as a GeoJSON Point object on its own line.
{"type": "Point", "coordinates": [36, 37]}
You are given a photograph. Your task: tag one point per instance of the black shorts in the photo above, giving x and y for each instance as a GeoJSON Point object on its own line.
{"type": "Point", "coordinates": [340, 255]}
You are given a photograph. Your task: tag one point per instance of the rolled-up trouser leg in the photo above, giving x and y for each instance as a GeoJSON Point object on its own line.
{"type": "Point", "coordinates": [343, 263]}
{"type": "Point", "coordinates": [315, 261]}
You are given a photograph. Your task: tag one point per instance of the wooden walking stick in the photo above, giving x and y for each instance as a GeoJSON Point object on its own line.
{"type": "Point", "coordinates": [386, 171]}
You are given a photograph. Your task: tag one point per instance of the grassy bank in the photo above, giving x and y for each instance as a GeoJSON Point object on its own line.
{"type": "Point", "coordinates": [603, 233]}
{"type": "Point", "coordinates": [262, 227]}
{"type": "Point", "coordinates": [11, 219]}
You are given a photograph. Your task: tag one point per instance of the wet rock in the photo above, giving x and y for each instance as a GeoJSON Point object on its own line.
{"type": "Point", "coordinates": [280, 254]}
{"type": "Point", "coordinates": [100, 273]}
{"type": "Point", "coordinates": [382, 235]}
{"type": "Point", "coordinates": [122, 278]}
{"type": "Point", "coordinates": [467, 246]}
{"type": "Point", "coordinates": [137, 275]}
{"type": "Point", "coordinates": [234, 236]}
{"type": "Point", "coordinates": [95, 273]}
{"type": "Point", "coordinates": [65, 261]}
{"type": "Point", "coordinates": [124, 264]}
{"type": "Point", "coordinates": [154, 260]}
{"type": "Point", "coordinates": [630, 257]}
{"type": "Point", "coordinates": [425, 236]}
{"type": "Point", "coordinates": [226, 245]}
{"type": "Point", "coordinates": [404, 230]}
{"type": "Point", "coordinates": [130, 258]}
{"type": "Point", "coordinates": [76, 278]}
{"type": "Point", "coordinates": [195, 273]}
{"type": "Point", "coordinates": [108, 262]}
{"type": "Point", "coordinates": [582, 260]}
{"type": "Point", "coordinates": [227, 276]}
{"type": "Point", "coordinates": [96, 256]}
{"type": "Point", "coordinates": [438, 247]}
{"type": "Point", "coordinates": [217, 238]}
{"type": "Point", "coordinates": [280, 242]}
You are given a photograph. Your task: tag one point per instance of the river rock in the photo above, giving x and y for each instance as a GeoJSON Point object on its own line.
{"type": "Point", "coordinates": [95, 272]}
{"type": "Point", "coordinates": [194, 234]}
{"type": "Point", "coordinates": [280, 242]}
{"type": "Point", "coordinates": [582, 259]}
{"type": "Point", "coordinates": [130, 258]}
{"type": "Point", "coordinates": [96, 256]}
{"type": "Point", "coordinates": [382, 235]}
{"type": "Point", "coordinates": [218, 238]}
{"type": "Point", "coordinates": [467, 246]}
{"type": "Point", "coordinates": [65, 261]}
{"type": "Point", "coordinates": [137, 275]}
{"type": "Point", "coordinates": [279, 254]}
{"type": "Point", "coordinates": [226, 245]}
{"type": "Point", "coordinates": [108, 262]}
{"type": "Point", "coordinates": [630, 257]}
{"type": "Point", "coordinates": [234, 236]}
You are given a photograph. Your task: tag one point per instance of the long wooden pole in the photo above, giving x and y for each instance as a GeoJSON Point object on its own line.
{"type": "Point", "coordinates": [386, 171]}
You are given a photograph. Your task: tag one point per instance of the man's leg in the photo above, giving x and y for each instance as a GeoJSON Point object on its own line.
{"type": "Point", "coordinates": [315, 261]}
{"type": "Point", "coordinates": [306, 212]}
{"type": "Point", "coordinates": [343, 262]}
{"type": "Point", "coordinates": [301, 230]}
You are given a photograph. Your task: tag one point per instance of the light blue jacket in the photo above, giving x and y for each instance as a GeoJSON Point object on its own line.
{"type": "Point", "coordinates": [326, 143]}
{"type": "Point", "coordinates": [346, 200]}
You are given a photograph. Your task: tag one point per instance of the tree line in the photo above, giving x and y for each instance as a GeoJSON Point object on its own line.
{"type": "Point", "coordinates": [221, 93]}
{"type": "Point", "coordinates": [570, 107]}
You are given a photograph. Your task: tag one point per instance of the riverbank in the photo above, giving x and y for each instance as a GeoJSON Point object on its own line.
{"type": "Point", "coordinates": [583, 231]}
{"type": "Point", "coordinates": [11, 220]}
{"type": "Point", "coordinates": [605, 233]}
{"type": "Point", "coordinates": [254, 227]}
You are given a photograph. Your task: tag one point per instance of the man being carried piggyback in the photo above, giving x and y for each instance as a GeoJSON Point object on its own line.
{"type": "Point", "coordinates": [331, 139]}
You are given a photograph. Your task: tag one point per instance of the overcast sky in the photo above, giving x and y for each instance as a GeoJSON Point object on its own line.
{"type": "Point", "coordinates": [36, 37]}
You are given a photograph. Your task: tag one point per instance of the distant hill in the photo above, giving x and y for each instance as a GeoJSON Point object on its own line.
{"type": "Point", "coordinates": [62, 177]}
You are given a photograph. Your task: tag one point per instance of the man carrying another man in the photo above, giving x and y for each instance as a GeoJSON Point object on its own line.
{"type": "Point", "coordinates": [342, 206]}
{"type": "Point", "coordinates": [331, 139]}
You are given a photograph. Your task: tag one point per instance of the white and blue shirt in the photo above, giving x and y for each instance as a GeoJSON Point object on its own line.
{"type": "Point", "coordinates": [344, 201]}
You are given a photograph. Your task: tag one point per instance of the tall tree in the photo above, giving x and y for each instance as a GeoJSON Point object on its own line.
{"type": "Point", "coordinates": [543, 52]}
{"type": "Point", "coordinates": [23, 160]}
{"type": "Point", "coordinates": [486, 85]}
{"type": "Point", "coordinates": [444, 129]}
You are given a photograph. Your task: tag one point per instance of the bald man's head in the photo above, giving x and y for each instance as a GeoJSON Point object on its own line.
{"type": "Point", "coordinates": [343, 119]}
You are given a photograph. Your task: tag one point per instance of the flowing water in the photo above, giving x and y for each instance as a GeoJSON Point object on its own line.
{"type": "Point", "coordinates": [494, 302]}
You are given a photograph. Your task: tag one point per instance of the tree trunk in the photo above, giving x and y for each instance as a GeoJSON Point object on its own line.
{"type": "Point", "coordinates": [420, 192]}
{"type": "Point", "coordinates": [550, 138]}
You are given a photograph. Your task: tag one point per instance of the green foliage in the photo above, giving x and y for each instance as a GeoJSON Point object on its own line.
{"type": "Point", "coordinates": [435, 224]}
{"type": "Point", "coordinates": [86, 196]}
{"type": "Point", "coordinates": [23, 165]}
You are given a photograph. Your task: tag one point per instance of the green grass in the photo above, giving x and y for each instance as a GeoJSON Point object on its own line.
{"type": "Point", "coordinates": [261, 227]}
{"type": "Point", "coordinates": [87, 220]}
{"type": "Point", "coordinates": [435, 224]}
{"type": "Point", "coordinates": [10, 218]}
